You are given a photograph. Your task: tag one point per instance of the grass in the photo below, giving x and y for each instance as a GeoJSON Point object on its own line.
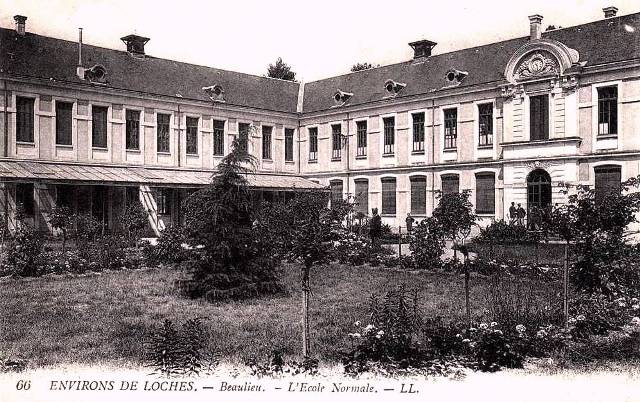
{"type": "Point", "coordinates": [102, 319]}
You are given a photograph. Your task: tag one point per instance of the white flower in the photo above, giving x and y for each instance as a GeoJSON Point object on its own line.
{"type": "Point", "coordinates": [635, 321]}
{"type": "Point", "coordinates": [541, 334]}
{"type": "Point", "coordinates": [493, 324]}
{"type": "Point", "coordinates": [483, 326]}
{"type": "Point", "coordinates": [355, 335]}
{"type": "Point", "coordinates": [357, 323]}
{"type": "Point", "coordinates": [380, 333]}
{"type": "Point", "coordinates": [465, 340]}
{"type": "Point", "coordinates": [497, 331]}
{"type": "Point", "coordinates": [520, 328]}
{"type": "Point", "coordinates": [581, 317]}
{"type": "Point", "coordinates": [636, 306]}
{"type": "Point", "coordinates": [459, 336]}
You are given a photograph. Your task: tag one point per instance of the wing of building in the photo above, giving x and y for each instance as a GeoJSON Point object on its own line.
{"type": "Point", "coordinates": [97, 128]}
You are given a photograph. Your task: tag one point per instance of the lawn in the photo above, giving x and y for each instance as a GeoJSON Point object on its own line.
{"type": "Point", "coordinates": [103, 318]}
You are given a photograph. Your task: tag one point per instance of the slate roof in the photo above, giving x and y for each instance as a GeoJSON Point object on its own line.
{"type": "Point", "coordinates": [50, 58]}
{"type": "Point", "coordinates": [118, 174]}
{"type": "Point", "coordinates": [604, 41]}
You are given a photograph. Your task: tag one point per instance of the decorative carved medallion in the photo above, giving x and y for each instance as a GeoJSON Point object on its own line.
{"type": "Point", "coordinates": [538, 64]}
{"type": "Point", "coordinates": [538, 165]}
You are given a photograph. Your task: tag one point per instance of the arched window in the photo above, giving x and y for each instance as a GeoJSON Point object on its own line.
{"type": "Point", "coordinates": [485, 193]}
{"type": "Point", "coordinates": [418, 195]}
{"type": "Point", "coordinates": [608, 179]}
{"type": "Point", "coordinates": [361, 196]}
{"type": "Point", "coordinates": [450, 183]}
{"type": "Point", "coordinates": [388, 196]}
{"type": "Point", "coordinates": [538, 195]}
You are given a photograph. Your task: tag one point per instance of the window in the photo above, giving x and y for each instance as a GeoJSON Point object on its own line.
{"type": "Point", "coordinates": [64, 122]}
{"type": "Point", "coordinates": [313, 144]}
{"type": "Point", "coordinates": [450, 184]}
{"type": "Point", "coordinates": [389, 124]}
{"type": "Point", "coordinates": [418, 132]}
{"type": "Point", "coordinates": [539, 117]}
{"type": "Point", "coordinates": [361, 138]}
{"type": "Point", "coordinates": [336, 142]}
{"type": "Point", "coordinates": [243, 136]}
{"type": "Point", "coordinates": [163, 136]}
{"type": "Point", "coordinates": [608, 181]}
{"type": "Point", "coordinates": [288, 144]}
{"type": "Point", "coordinates": [418, 195]}
{"type": "Point", "coordinates": [361, 196]}
{"type": "Point", "coordinates": [485, 193]}
{"type": "Point", "coordinates": [485, 124]}
{"type": "Point", "coordinates": [450, 128]}
{"type": "Point", "coordinates": [607, 110]}
{"type": "Point", "coordinates": [388, 196]}
{"type": "Point", "coordinates": [336, 190]}
{"type": "Point", "coordinates": [192, 135]}
{"type": "Point", "coordinates": [25, 198]}
{"type": "Point", "coordinates": [99, 126]}
{"type": "Point", "coordinates": [24, 119]}
{"type": "Point", "coordinates": [163, 200]}
{"type": "Point", "coordinates": [218, 137]}
{"type": "Point", "coordinates": [133, 129]}
{"type": "Point", "coordinates": [266, 142]}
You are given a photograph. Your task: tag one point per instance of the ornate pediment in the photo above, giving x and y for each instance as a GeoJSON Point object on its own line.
{"type": "Point", "coordinates": [537, 64]}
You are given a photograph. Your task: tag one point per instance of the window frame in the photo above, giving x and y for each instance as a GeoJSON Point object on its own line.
{"type": "Point", "coordinates": [488, 117]}
{"type": "Point", "coordinates": [600, 113]}
{"type": "Point", "coordinates": [128, 140]}
{"type": "Point", "coordinates": [336, 142]}
{"type": "Point", "coordinates": [446, 176]}
{"type": "Point", "coordinates": [167, 139]}
{"type": "Point", "coordinates": [58, 103]}
{"type": "Point", "coordinates": [106, 109]}
{"type": "Point", "coordinates": [217, 134]}
{"type": "Point", "coordinates": [362, 129]}
{"type": "Point", "coordinates": [387, 211]}
{"type": "Point", "coordinates": [422, 209]}
{"type": "Point", "coordinates": [546, 134]}
{"type": "Point", "coordinates": [357, 196]}
{"type": "Point", "coordinates": [420, 134]}
{"type": "Point", "coordinates": [491, 193]}
{"type": "Point", "coordinates": [194, 136]}
{"type": "Point", "coordinates": [289, 144]}
{"type": "Point", "coordinates": [312, 134]}
{"type": "Point", "coordinates": [164, 200]}
{"type": "Point", "coordinates": [388, 136]}
{"type": "Point", "coordinates": [29, 122]}
{"type": "Point", "coordinates": [333, 193]}
{"type": "Point", "coordinates": [267, 132]}
{"type": "Point", "coordinates": [600, 169]}
{"type": "Point", "coordinates": [244, 142]}
{"type": "Point", "coordinates": [450, 130]}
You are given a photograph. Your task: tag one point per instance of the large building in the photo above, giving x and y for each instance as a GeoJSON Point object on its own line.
{"type": "Point", "coordinates": [96, 128]}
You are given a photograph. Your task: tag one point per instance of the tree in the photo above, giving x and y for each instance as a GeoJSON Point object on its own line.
{"type": "Point", "coordinates": [363, 66]}
{"type": "Point", "coordinates": [281, 70]}
{"type": "Point", "coordinates": [455, 215]}
{"type": "Point", "coordinates": [61, 218]}
{"type": "Point", "coordinates": [236, 258]}
{"type": "Point", "coordinates": [133, 221]}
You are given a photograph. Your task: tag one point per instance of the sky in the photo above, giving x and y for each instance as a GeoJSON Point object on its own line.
{"type": "Point", "coordinates": [317, 39]}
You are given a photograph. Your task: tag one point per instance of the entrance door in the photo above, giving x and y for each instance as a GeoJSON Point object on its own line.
{"type": "Point", "coordinates": [538, 196]}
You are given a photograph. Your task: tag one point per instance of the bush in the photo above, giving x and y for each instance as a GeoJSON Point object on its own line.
{"type": "Point", "coordinates": [172, 351]}
{"type": "Point", "coordinates": [133, 221]}
{"type": "Point", "coordinates": [88, 229]}
{"type": "Point", "coordinates": [492, 349]}
{"type": "Point", "coordinates": [170, 246]}
{"type": "Point", "coordinates": [501, 232]}
{"type": "Point", "coordinates": [427, 244]}
{"type": "Point", "coordinates": [24, 253]}
{"type": "Point", "coordinates": [276, 366]}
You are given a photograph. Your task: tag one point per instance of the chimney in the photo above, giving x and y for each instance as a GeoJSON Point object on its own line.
{"type": "Point", "coordinates": [80, 68]}
{"type": "Point", "coordinates": [20, 24]}
{"type": "Point", "coordinates": [536, 26]}
{"type": "Point", "coordinates": [422, 48]}
{"type": "Point", "coordinates": [135, 44]}
{"type": "Point", "coordinates": [610, 12]}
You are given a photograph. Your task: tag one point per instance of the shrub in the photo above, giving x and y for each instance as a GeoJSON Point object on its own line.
{"type": "Point", "coordinates": [61, 218]}
{"type": "Point", "coordinates": [88, 229]}
{"type": "Point", "coordinates": [427, 243]}
{"type": "Point", "coordinates": [276, 366]}
{"type": "Point", "coordinates": [351, 249]}
{"type": "Point", "coordinates": [133, 221]}
{"type": "Point", "coordinates": [24, 253]}
{"type": "Point", "coordinates": [492, 349]}
{"type": "Point", "coordinates": [172, 351]}
{"type": "Point", "coordinates": [170, 246]}
{"type": "Point", "coordinates": [501, 232]}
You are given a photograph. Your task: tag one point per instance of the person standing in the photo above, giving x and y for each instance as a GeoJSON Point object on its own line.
{"type": "Point", "coordinates": [375, 227]}
{"type": "Point", "coordinates": [409, 222]}
{"type": "Point", "coordinates": [521, 214]}
{"type": "Point", "coordinates": [513, 213]}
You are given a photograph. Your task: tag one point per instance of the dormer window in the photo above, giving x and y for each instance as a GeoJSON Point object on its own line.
{"type": "Point", "coordinates": [455, 77]}
{"type": "Point", "coordinates": [96, 74]}
{"type": "Point", "coordinates": [215, 92]}
{"type": "Point", "coordinates": [392, 87]}
{"type": "Point", "coordinates": [341, 97]}
{"type": "Point", "coordinates": [135, 44]}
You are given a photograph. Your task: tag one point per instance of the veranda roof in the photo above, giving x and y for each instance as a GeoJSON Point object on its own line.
{"type": "Point", "coordinates": [76, 173]}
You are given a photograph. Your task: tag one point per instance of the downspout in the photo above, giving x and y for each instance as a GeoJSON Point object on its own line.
{"type": "Point", "coordinates": [6, 119]}
{"type": "Point", "coordinates": [348, 154]}
{"type": "Point", "coordinates": [179, 136]}
{"type": "Point", "coordinates": [299, 144]}
{"type": "Point", "coordinates": [433, 155]}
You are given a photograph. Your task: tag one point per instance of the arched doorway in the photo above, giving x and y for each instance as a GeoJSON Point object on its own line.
{"type": "Point", "coordinates": [538, 195]}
